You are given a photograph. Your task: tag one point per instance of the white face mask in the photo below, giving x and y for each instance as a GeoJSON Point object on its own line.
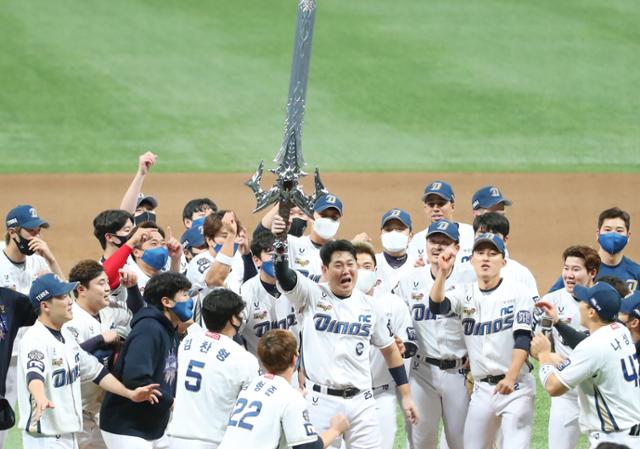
{"type": "Point", "coordinates": [326, 228]}
{"type": "Point", "coordinates": [366, 280]}
{"type": "Point", "coordinates": [394, 241]}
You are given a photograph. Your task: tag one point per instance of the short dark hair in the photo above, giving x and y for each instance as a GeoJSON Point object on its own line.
{"type": "Point", "coordinates": [109, 222]}
{"type": "Point", "coordinates": [610, 445]}
{"type": "Point", "coordinates": [335, 246]}
{"type": "Point", "coordinates": [589, 255]}
{"type": "Point", "coordinates": [219, 306]}
{"type": "Point", "coordinates": [276, 350]}
{"type": "Point", "coordinates": [492, 222]}
{"type": "Point", "coordinates": [84, 272]}
{"type": "Point", "coordinates": [262, 241]}
{"type": "Point", "coordinates": [164, 285]}
{"type": "Point", "coordinates": [621, 287]}
{"type": "Point", "coordinates": [614, 212]}
{"type": "Point", "coordinates": [213, 223]}
{"type": "Point", "coordinates": [365, 248]}
{"type": "Point", "coordinates": [147, 225]}
{"type": "Point", "coordinates": [195, 205]}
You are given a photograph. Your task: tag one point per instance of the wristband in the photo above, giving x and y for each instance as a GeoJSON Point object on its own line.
{"type": "Point", "coordinates": [545, 371]}
{"type": "Point", "coordinates": [224, 259]}
{"type": "Point", "coordinates": [399, 375]}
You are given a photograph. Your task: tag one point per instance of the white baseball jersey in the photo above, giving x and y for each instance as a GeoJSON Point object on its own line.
{"type": "Point", "coordinates": [304, 255]}
{"type": "Point", "coordinates": [489, 319]}
{"type": "Point", "coordinates": [212, 369]}
{"type": "Point", "coordinates": [398, 322]}
{"type": "Point", "coordinates": [387, 275]}
{"type": "Point", "coordinates": [265, 312]}
{"type": "Point", "coordinates": [438, 336]}
{"type": "Point", "coordinates": [199, 266]}
{"type": "Point", "coordinates": [337, 334]}
{"type": "Point", "coordinates": [143, 277]}
{"type": "Point", "coordinates": [418, 244]}
{"type": "Point", "coordinates": [604, 368]}
{"type": "Point", "coordinates": [62, 366]}
{"type": "Point", "coordinates": [569, 312]}
{"type": "Point", "coordinates": [269, 413]}
{"type": "Point", "coordinates": [516, 271]}
{"type": "Point", "coordinates": [19, 277]}
{"type": "Point", "coordinates": [84, 326]}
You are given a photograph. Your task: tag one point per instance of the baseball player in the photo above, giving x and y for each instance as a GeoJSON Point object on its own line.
{"type": "Point", "coordinates": [399, 323]}
{"type": "Point", "coordinates": [304, 252]}
{"type": "Point", "coordinates": [613, 236]}
{"type": "Point", "coordinates": [198, 208]}
{"type": "Point", "coordinates": [580, 267]}
{"type": "Point", "coordinates": [489, 199]}
{"type": "Point", "coordinates": [265, 308]}
{"type": "Point", "coordinates": [51, 365]}
{"type": "Point", "coordinates": [339, 325]}
{"type": "Point", "coordinates": [603, 368]}
{"type": "Point", "coordinates": [269, 413]}
{"type": "Point", "coordinates": [135, 202]}
{"type": "Point", "coordinates": [98, 326]}
{"type": "Point", "coordinates": [497, 223]}
{"type": "Point", "coordinates": [630, 316]}
{"type": "Point", "coordinates": [496, 322]}
{"type": "Point", "coordinates": [437, 376]}
{"type": "Point", "coordinates": [192, 240]}
{"type": "Point", "coordinates": [440, 202]}
{"type": "Point", "coordinates": [149, 354]}
{"type": "Point", "coordinates": [298, 221]}
{"type": "Point", "coordinates": [212, 368]}
{"type": "Point", "coordinates": [394, 261]}
{"type": "Point", "coordinates": [112, 228]}
{"type": "Point", "coordinates": [25, 256]}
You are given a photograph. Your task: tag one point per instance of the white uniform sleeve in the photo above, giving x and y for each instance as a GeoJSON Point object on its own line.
{"type": "Point", "coordinates": [523, 314]}
{"type": "Point", "coordinates": [32, 358]}
{"type": "Point", "coordinates": [296, 425]}
{"type": "Point", "coordinates": [250, 369]}
{"type": "Point", "coordinates": [196, 272]}
{"type": "Point", "coordinates": [382, 335]}
{"type": "Point", "coordinates": [580, 365]}
{"type": "Point", "coordinates": [90, 367]}
{"type": "Point", "coordinates": [302, 293]}
{"type": "Point", "coordinates": [402, 323]}
{"type": "Point", "coordinates": [456, 296]}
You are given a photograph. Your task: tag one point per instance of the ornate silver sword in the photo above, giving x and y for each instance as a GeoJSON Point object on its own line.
{"type": "Point", "coordinates": [287, 190]}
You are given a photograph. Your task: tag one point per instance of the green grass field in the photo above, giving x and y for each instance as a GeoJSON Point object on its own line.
{"type": "Point", "coordinates": [445, 85]}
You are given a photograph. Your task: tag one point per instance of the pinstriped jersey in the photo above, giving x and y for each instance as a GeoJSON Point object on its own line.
{"type": "Point", "coordinates": [604, 369]}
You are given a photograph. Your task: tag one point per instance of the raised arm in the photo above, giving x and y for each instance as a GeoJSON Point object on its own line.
{"type": "Point", "coordinates": [130, 198]}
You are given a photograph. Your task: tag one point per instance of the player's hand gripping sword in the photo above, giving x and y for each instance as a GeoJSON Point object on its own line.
{"type": "Point", "coordinates": [287, 191]}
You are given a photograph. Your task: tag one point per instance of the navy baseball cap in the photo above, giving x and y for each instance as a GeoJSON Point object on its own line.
{"type": "Point", "coordinates": [193, 237]}
{"type": "Point", "coordinates": [26, 217]}
{"type": "Point", "coordinates": [327, 201]}
{"type": "Point", "coordinates": [493, 239]}
{"type": "Point", "coordinates": [487, 197]}
{"type": "Point", "coordinates": [47, 286]}
{"type": "Point", "coordinates": [150, 200]}
{"type": "Point", "coordinates": [396, 214]}
{"type": "Point", "coordinates": [631, 303]}
{"type": "Point", "coordinates": [445, 227]}
{"type": "Point", "coordinates": [440, 188]}
{"type": "Point", "coordinates": [602, 297]}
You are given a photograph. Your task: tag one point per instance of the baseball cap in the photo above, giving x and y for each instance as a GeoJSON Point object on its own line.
{"type": "Point", "coordinates": [445, 227]}
{"type": "Point", "coordinates": [47, 286]}
{"type": "Point", "coordinates": [327, 201]}
{"type": "Point", "coordinates": [631, 303]}
{"type": "Point", "coordinates": [193, 237]}
{"type": "Point", "coordinates": [440, 188]}
{"type": "Point", "coordinates": [602, 297]}
{"type": "Point", "coordinates": [487, 197]}
{"type": "Point", "coordinates": [493, 239]}
{"type": "Point", "coordinates": [26, 217]}
{"type": "Point", "coordinates": [149, 199]}
{"type": "Point", "coordinates": [396, 214]}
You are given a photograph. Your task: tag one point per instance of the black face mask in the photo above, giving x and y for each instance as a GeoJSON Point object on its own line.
{"type": "Point", "coordinates": [298, 225]}
{"type": "Point", "coordinates": [123, 239]}
{"type": "Point", "coordinates": [23, 246]}
{"type": "Point", "coordinates": [144, 216]}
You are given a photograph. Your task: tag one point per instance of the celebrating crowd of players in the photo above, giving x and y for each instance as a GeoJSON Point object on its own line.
{"type": "Point", "coordinates": [224, 339]}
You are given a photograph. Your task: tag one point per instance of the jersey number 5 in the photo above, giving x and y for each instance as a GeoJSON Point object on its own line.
{"type": "Point", "coordinates": [194, 378]}
{"type": "Point", "coordinates": [253, 410]}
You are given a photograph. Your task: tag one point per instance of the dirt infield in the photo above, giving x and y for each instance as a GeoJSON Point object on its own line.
{"type": "Point", "coordinates": [550, 211]}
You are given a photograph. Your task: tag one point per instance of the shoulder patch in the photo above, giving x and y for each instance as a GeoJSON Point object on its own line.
{"type": "Point", "coordinates": [35, 355]}
{"type": "Point", "coordinates": [566, 362]}
{"type": "Point", "coordinates": [524, 317]}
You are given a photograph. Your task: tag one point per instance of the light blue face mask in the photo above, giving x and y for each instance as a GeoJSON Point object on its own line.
{"type": "Point", "coordinates": [156, 258]}
{"type": "Point", "coordinates": [184, 310]}
{"type": "Point", "coordinates": [218, 247]}
{"type": "Point", "coordinates": [612, 242]}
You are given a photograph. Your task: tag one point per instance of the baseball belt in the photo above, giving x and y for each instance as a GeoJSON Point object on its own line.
{"type": "Point", "coordinates": [493, 380]}
{"type": "Point", "coordinates": [345, 393]}
{"type": "Point", "coordinates": [445, 364]}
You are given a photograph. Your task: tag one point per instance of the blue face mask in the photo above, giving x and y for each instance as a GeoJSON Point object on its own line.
{"type": "Point", "coordinates": [269, 268]}
{"type": "Point", "coordinates": [612, 242]}
{"type": "Point", "coordinates": [156, 258]}
{"type": "Point", "coordinates": [184, 310]}
{"type": "Point", "coordinates": [219, 246]}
